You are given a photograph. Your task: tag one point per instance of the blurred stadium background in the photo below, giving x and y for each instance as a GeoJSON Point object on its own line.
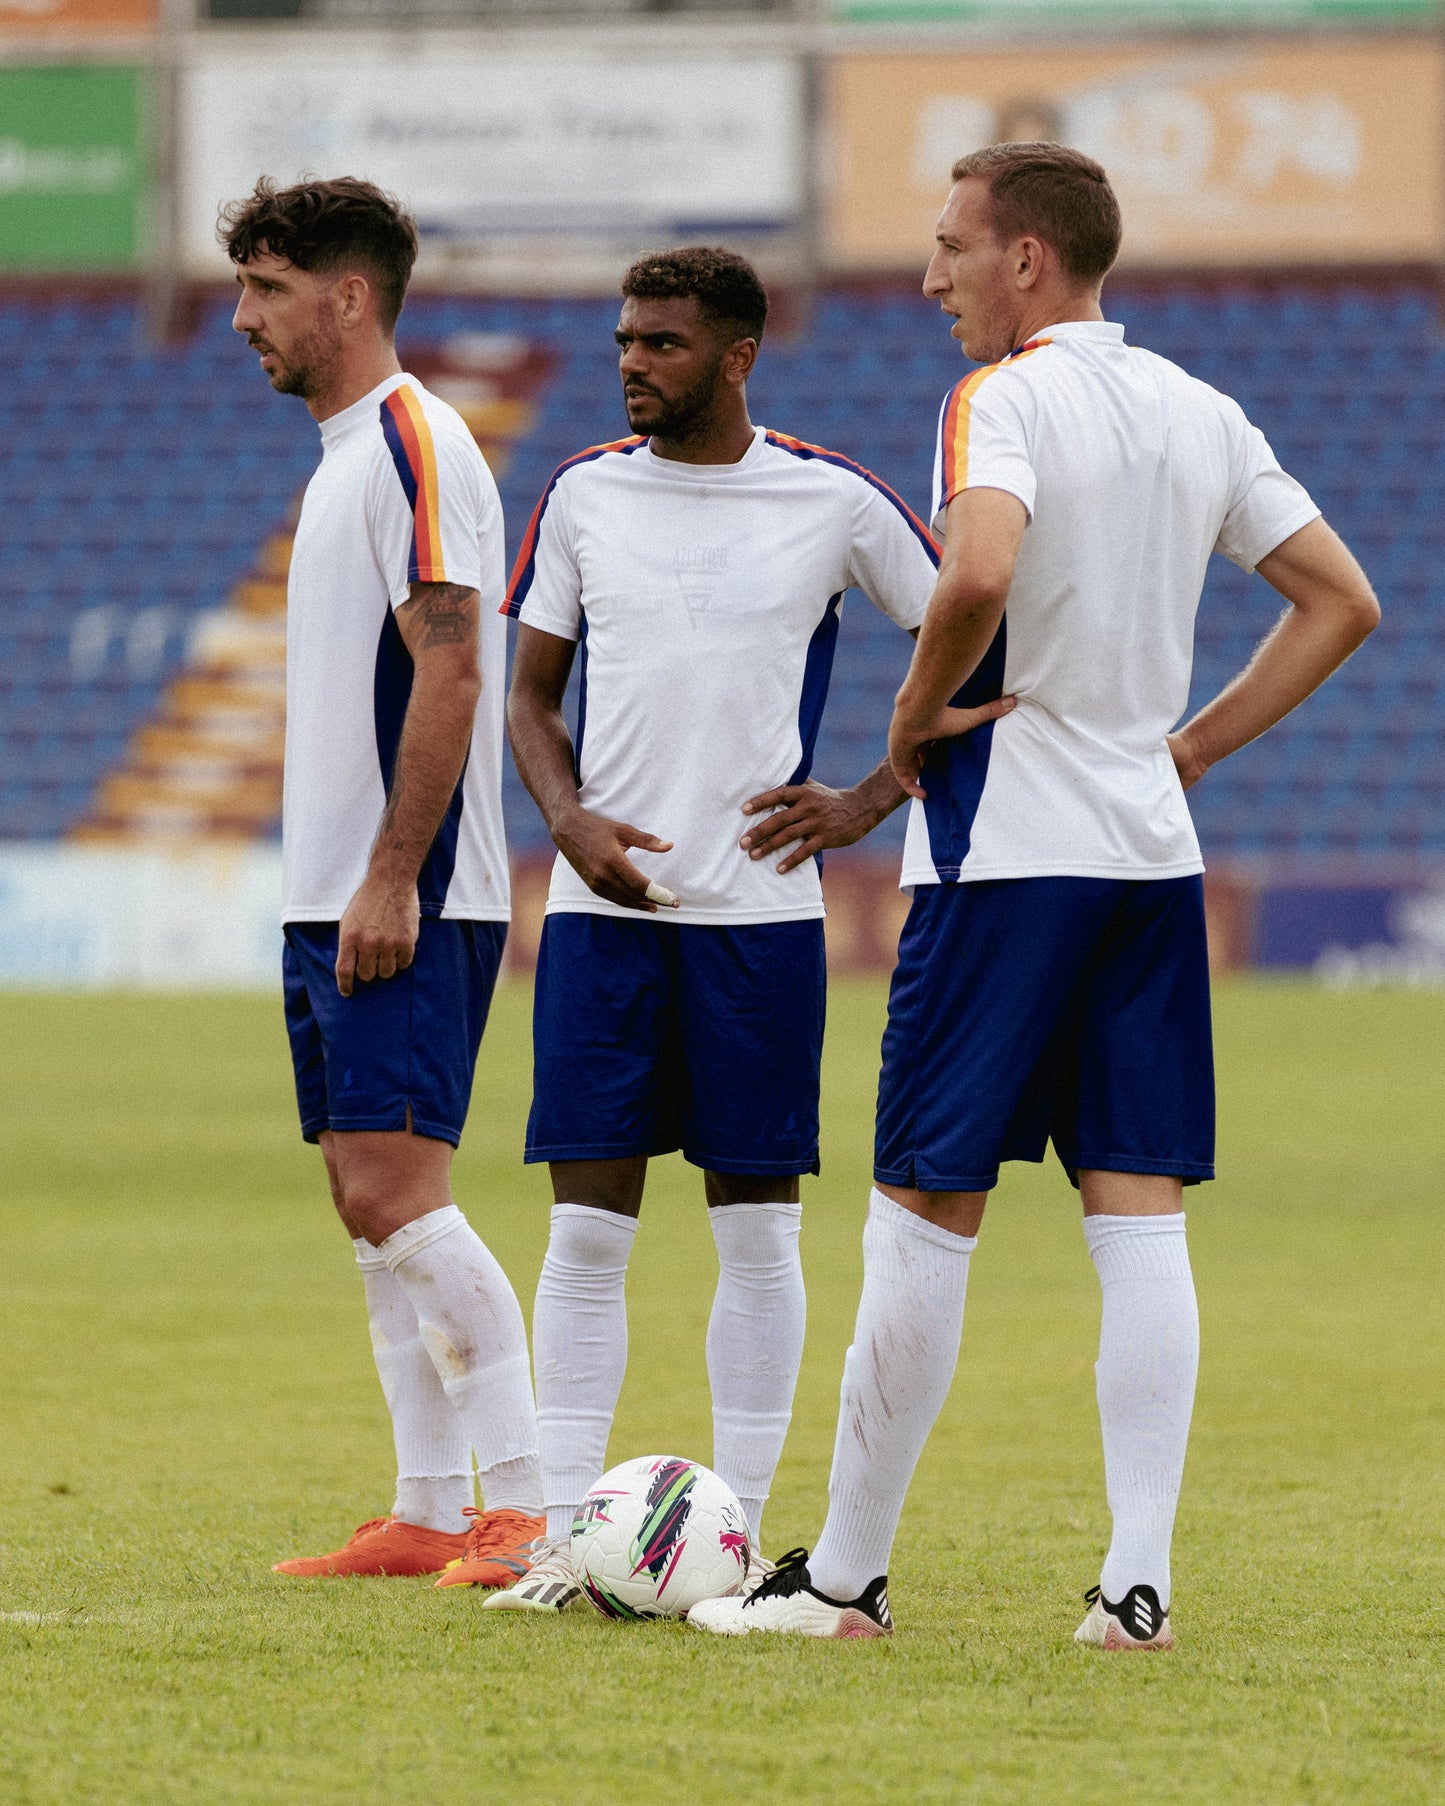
{"type": "Point", "coordinates": [1280, 166]}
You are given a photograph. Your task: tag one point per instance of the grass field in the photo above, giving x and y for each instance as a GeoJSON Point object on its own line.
{"type": "Point", "coordinates": [189, 1396]}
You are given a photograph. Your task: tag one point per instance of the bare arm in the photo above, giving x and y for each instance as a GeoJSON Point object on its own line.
{"type": "Point", "coordinates": [439, 624]}
{"type": "Point", "coordinates": [1332, 610]}
{"type": "Point", "coordinates": [594, 847]}
{"type": "Point", "coordinates": [985, 530]}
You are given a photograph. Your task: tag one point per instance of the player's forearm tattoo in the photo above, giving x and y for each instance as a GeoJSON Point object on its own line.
{"type": "Point", "coordinates": [444, 611]}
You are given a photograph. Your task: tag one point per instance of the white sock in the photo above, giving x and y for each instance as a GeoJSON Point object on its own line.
{"type": "Point", "coordinates": [895, 1379]}
{"type": "Point", "coordinates": [754, 1345]}
{"type": "Point", "coordinates": [1148, 1361]}
{"type": "Point", "coordinates": [433, 1456]}
{"type": "Point", "coordinates": [579, 1340]}
{"type": "Point", "coordinates": [471, 1325]}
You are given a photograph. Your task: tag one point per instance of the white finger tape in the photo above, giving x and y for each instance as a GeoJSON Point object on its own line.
{"type": "Point", "coordinates": [659, 893]}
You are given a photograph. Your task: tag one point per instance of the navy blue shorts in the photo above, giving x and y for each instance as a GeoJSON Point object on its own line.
{"type": "Point", "coordinates": [651, 1036]}
{"type": "Point", "coordinates": [1025, 1009]}
{"type": "Point", "coordinates": [396, 1044]}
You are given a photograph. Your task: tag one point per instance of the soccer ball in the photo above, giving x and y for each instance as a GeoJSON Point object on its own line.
{"type": "Point", "coordinates": [656, 1535]}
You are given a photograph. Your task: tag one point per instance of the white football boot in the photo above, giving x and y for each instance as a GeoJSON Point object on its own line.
{"type": "Point", "coordinates": [759, 1569]}
{"type": "Point", "coordinates": [1138, 1621]}
{"type": "Point", "coordinates": [549, 1585]}
{"type": "Point", "coordinates": [785, 1601]}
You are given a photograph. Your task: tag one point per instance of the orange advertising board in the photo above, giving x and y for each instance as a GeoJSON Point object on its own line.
{"type": "Point", "coordinates": [1248, 152]}
{"type": "Point", "coordinates": [30, 17]}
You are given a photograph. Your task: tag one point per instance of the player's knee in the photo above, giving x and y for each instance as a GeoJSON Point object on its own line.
{"type": "Point", "coordinates": [600, 1184]}
{"type": "Point", "coordinates": [750, 1188]}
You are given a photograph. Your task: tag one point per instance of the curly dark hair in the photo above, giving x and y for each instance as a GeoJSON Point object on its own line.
{"type": "Point", "coordinates": [327, 226]}
{"type": "Point", "coordinates": [725, 286]}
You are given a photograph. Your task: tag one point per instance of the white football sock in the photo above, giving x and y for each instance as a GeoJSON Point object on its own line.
{"type": "Point", "coordinates": [1148, 1362]}
{"type": "Point", "coordinates": [433, 1456]}
{"type": "Point", "coordinates": [754, 1345]}
{"type": "Point", "coordinates": [895, 1379]}
{"type": "Point", "coordinates": [579, 1339]}
{"type": "Point", "coordinates": [471, 1326]}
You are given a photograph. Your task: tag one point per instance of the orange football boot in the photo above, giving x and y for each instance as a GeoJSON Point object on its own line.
{"type": "Point", "coordinates": [385, 1546]}
{"type": "Point", "coordinates": [499, 1550]}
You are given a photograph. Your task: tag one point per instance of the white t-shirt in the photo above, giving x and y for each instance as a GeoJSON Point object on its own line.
{"type": "Point", "coordinates": [706, 597]}
{"type": "Point", "coordinates": [1133, 473]}
{"type": "Point", "coordinates": [402, 495]}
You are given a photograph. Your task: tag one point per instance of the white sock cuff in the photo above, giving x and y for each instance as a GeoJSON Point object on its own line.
{"type": "Point", "coordinates": [740, 1212]}
{"type": "Point", "coordinates": [895, 1219]}
{"type": "Point", "coordinates": [583, 1233]}
{"type": "Point", "coordinates": [424, 1232]}
{"type": "Point", "coordinates": [754, 1234]}
{"type": "Point", "coordinates": [369, 1259]}
{"type": "Point", "coordinates": [1138, 1247]}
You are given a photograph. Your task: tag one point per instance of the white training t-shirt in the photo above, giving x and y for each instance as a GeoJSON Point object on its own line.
{"type": "Point", "coordinates": [706, 598]}
{"type": "Point", "coordinates": [1133, 473]}
{"type": "Point", "coordinates": [402, 495]}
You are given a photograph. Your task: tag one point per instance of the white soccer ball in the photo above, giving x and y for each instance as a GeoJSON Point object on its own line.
{"type": "Point", "coordinates": [656, 1535]}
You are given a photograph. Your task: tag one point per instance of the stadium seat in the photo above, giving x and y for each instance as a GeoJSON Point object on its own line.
{"type": "Point", "coordinates": [149, 477]}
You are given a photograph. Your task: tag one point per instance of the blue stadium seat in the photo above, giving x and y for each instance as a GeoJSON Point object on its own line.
{"type": "Point", "coordinates": [137, 474]}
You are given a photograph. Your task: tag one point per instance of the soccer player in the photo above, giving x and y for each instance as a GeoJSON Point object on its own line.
{"type": "Point", "coordinates": [395, 869]}
{"type": "Point", "coordinates": [1052, 978]}
{"type": "Point", "coordinates": [700, 565]}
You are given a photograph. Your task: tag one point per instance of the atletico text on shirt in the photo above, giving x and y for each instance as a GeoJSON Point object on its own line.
{"type": "Point", "coordinates": [402, 495]}
{"type": "Point", "coordinates": [706, 598]}
{"type": "Point", "coordinates": [1132, 473]}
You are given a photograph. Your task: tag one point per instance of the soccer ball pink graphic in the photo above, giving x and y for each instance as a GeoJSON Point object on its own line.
{"type": "Point", "coordinates": [656, 1535]}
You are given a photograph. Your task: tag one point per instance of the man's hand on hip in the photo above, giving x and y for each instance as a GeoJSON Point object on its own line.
{"type": "Point", "coordinates": [1187, 762]}
{"type": "Point", "coordinates": [596, 849]}
{"type": "Point", "coordinates": [810, 814]}
{"type": "Point", "coordinates": [378, 932]}
{"type": "Point", "coordinates": [910, 735]}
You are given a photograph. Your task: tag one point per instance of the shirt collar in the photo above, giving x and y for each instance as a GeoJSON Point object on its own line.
{"type": "Point", "coordinates": [365, 409]}
{"type": "Point", "coordinates": [706, 473]}
{"type": "Point", "coordinates": [1106, 331]}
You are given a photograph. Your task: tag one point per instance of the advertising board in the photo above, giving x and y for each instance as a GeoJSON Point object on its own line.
{"type": "Point", "coordinates": [72, 170]}
{"type": "Point", "coordinates": [1241, 152]}
{"type": "Point", "coordinates": [1021, 17]}
{"type": "Point", "coordinates": [486, 145]}
{"type": "Point", "coordinates": [81, 918]}
{"type": "Point", "coordinates": [29, 18]}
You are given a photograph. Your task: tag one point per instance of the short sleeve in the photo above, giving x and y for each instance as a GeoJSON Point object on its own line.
{"type": "Point", "coordinates": [1266, 504]}
{"type": "Point", "coordinates": [428, 509]}
{"type": "Point", "coordinates": [892, 558]}
{"type": "Point", "coordinates": [546, 586]}
{"type": "Point", "coordinates": [985, 440]}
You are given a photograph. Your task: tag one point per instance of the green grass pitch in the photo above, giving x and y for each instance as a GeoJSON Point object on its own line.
{"type": "Point", "coordinates": [188, 1396]}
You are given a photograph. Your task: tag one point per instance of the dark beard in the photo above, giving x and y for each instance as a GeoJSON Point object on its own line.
{"type": "Point", "coordinates": [685, 414]}
{"type": "Point", "coordinates": [307, 371]}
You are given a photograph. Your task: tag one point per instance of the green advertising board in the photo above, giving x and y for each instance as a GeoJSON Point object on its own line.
{"type": "Point", "coordinates": [1045, 16]}
{"type": "Point", "coordinates": [72, 172]}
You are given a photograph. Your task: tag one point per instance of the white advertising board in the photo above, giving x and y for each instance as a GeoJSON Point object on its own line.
{"type": "Point", "coordinates": [83, 918]}
{"type": "Point", "coordinates": [488, 144]}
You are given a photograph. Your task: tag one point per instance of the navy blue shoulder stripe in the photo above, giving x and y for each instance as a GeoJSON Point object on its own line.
{"type": "Point", "coordinates": [800, 448]}
{"type": "Point", "coordinates": [526, 563]}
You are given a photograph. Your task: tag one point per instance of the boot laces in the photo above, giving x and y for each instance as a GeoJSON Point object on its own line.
{"type": "Point", "coordinates": [788, 1577]}
{"type": "Point", "coordinates": [490, 1531]}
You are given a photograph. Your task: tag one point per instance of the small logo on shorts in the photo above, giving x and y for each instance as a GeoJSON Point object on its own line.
{"type": "Point", "coordinates": [347, 1082]}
